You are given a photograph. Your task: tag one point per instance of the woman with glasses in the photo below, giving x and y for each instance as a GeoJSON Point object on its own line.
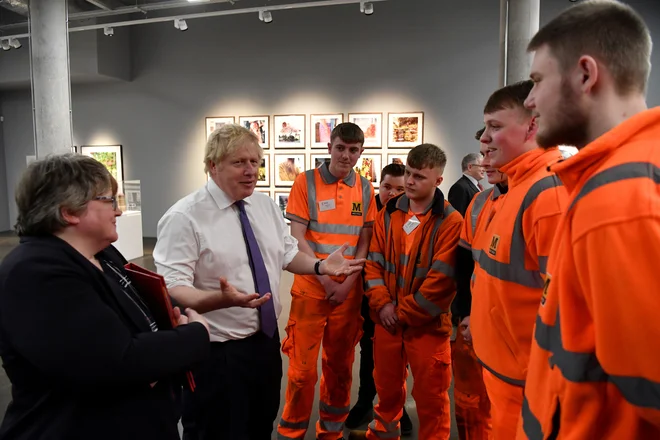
{"type": "Point", "coordinates": [82, 349]}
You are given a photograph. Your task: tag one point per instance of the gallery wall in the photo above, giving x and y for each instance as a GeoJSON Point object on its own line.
{"type": "Point", "coordinates": [408, 56]}
{"type": "Point", "coordinates": [4, 202]}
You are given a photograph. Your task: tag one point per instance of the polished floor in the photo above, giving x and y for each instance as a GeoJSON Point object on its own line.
{"type": "Point", "coordinates": [8, 241]}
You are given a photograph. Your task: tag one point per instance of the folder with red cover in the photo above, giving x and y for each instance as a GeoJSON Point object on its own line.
{"type": "Point", "coordinates": [153, 290]}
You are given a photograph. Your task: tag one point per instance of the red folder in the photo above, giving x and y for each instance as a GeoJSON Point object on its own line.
{"type": "Point", "coordinates": [153, 291]}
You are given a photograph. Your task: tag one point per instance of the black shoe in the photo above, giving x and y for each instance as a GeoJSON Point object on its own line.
{"type": "Point", "coordinates": [406, 423]}
{"type": "Point", "coordinates": [360, 414]}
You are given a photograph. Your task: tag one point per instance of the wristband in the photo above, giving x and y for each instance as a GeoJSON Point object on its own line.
{"type": "Point", "coordinates": [316, 267]}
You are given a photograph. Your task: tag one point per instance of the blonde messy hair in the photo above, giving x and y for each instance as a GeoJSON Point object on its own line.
{"type": "Point", "coordinates": [227, 139]}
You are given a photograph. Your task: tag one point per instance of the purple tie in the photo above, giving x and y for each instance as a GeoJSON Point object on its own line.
{"type": "Point", "coordinates": [259, 273]}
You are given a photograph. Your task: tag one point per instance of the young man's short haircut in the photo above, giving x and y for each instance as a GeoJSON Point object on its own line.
{"type": "Point", "coordinates": [611, 32]}
{"type": "Point", "coordinates": [427, 156]}
{"type": "Point", "coordinates": [348, 132]}
{"type": "Point", "coordinates": [479, 134]}
{"type": "Point", "coordinates": [394, 170]}
{"type": "Point", "coordinates": [510, 97]}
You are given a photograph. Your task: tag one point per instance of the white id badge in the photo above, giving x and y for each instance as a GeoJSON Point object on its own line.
{"type": "Point", "coordinates": [326, 205]}
{"type": "Point", "coordinates": [411, 225]}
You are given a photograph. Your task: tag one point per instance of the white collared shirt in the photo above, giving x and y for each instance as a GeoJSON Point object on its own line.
{"type": "Point", "coordinates": [200, 240]}
{"type": "Point", "coordinates": [474, 181]}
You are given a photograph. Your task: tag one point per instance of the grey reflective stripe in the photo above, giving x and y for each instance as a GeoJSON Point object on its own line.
{"type": "Point", "coordinates": [390, 267]}
{"type": "Point", "coordinates": [389, 426]}
{"type": "Point", "coordinates": [434, 232]}
{"type": "Point", "coordinates": [515, 271]}
{"type": "Point", "coordinates": [464, 244]}
{"type": "Point", "coordinates": [543, 264]}
{"type": "Point", "coordinates": [310, 177]}
{"type": "Point", "coordinates": [438, 266]}
{"type": "Point", "coordinates": [376, 257]}
{"type": "Point", "coordinates": [473, 277]}
{"type": "Point", "coordinates": [284, 437]}
{"type": "Point", "coordinates": [503, 378]}
{"type": "Point", "coordinates": [333, 409]}
{"type": "Point", "coordinates": [403, 259]}
{"type": "Point", "coordinates": [632, 170]}
{"type": "Point", "coordinates": [585, 367]}
{"type": "Point", "coordinates": [477, 206]}
{"type": "Point", "coordinates": [330, 248]}
{"type": "Point", "coordinates": [531, 424]}
{"type": "Point", "coordinates": [427, 305]}
{"type": "Point", "coordinates": [374, 283]}
{"type": "Point", "coordinates": [331, 426]}
{"type": "Point", "coordinates": [386, 221]}
{"type": "Point", "coordinates": [366, 197]}
{"type": "Point", "coordinates": [448, 210]}
{"type": "Point", "coordinates": [294, 425]}
{"type": "Point", "coordinates": [295, 218]}
{"type": "Point", "coordinates": [401, 282]}
{"type": "Point", "coordinates": [394, 433]}
{"type": "Point", "coordinates": [331, 228]}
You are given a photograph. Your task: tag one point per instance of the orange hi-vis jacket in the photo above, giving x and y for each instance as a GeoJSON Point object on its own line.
{"type": "Point", "coordinates": [594, 370]}
{"type": "Point", "coordinates": [510, 248]}
{"type": "Point", "coordinates": [335, 211]}
{"type": "Point", "coordinates": [420, 283]}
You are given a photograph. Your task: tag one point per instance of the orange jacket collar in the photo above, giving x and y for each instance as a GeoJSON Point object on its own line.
{"type": "Point", "coordinates": [572, 170]}
{"type": "Point", "coordinates": [528, 163]}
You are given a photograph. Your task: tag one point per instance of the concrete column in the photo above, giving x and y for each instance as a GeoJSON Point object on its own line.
{"type": "Point", "coordinates": [519, 21]}
{"type": "Point", "coordinates": [51, 82]}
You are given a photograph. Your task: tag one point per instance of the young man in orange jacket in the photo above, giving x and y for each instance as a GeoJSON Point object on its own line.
{"type": "Point", "coordinates": [410, 285]}
{"type": "Point", "coordinates": [594, 367]}
{"type": "Point", "coordinates": [510, 250]}
{"type": "Point", "coordinates": [471, 403]}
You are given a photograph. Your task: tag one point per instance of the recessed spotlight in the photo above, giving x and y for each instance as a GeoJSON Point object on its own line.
{"type": "Point", "coordinates": [13, 42]}
{"type": "Point", "coordinates": [265, 16]}
{"type": "Point", "coordinates": [367, 8]}
{"type": "Point", "coordinates": [108, 31]}
{"type": "Point", "coordinates": [5, 45]}
{"type": "Point", "coordinates": [180, 24]}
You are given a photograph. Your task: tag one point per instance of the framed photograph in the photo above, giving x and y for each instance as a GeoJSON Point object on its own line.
{"type": "Point", "coordinates": [289, 131]}
{"type": "Point", "coordinates": [259, 125]}
{"type": "Point", "coordinates": [265, 191]}
{"type": "Point", "coordinates": [318, 159]}
{"type": "Point", "coordinates": [216, 122]}
{"type": "Point", "coordinates": [372, 126]}
{"type": "Point", "coordinates": [405, 129]}
{"type": "Point", "coordinates": [282, 200]}
{"type": "Point", "coordinates": [399, 158]}
{"type": "Point", "coordinates": [369, 167]}
{"type": "Point", "coordinates": [287, 168]}
{"type": "Point", "coordinates": [321, 128]}
{"type": "Point", "coordinates": [263, 174]}
{"type": "Point", "coordinates": [111, 157]}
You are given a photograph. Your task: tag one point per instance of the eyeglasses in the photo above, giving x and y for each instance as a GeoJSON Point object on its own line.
{"type": "Point", "coordinates": [113, 200]}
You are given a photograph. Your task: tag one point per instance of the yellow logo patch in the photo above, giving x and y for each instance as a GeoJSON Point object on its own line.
{"type": "Point", "coordinates": [356, 209]}
{"type": "Point", "coordinates": [545, 289]}
{"type": "Point", "coordinates": [494, 242]}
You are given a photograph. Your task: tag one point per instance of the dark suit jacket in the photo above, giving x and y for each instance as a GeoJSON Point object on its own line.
{"type": "Point", "coordinates": [461, 193]}
{"type": "Point", "coordinates": [80, 355]}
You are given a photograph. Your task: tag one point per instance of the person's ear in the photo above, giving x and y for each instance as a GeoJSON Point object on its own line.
{"type": "Point", "coordinates": [69, 216]}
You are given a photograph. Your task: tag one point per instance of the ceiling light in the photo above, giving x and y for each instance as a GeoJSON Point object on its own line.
{"type": "Point", "coordinates": [265, 16]}
{"type": "Point", "coordinates": [13, 42]}
{"type": "Point", "coordinates": [180, 24]}
{"type": "Point", "coordinates": [108, 31]}
{"type": "Point", "coordinates": [5, 45]}
{"type": "Point", "coordinates": [367, 8]}
{"type": "Point", "coordinates": [197, 1]}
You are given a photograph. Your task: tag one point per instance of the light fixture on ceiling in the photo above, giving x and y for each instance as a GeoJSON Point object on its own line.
{"type": "Point", "coordinates": [13, 42]}
{"type": "Point", "coordinates": [197, 1]}
{"type": "Point", "coordinates": [5, 45]}
{"type": "Point", "coordinates": [265, 16]}
{"type": "Point", "coordinates": [367, 8]}
{"type": "Point", "coordinates": [108, 31]}
{"type": "Point", "coordinates": [180, 24]}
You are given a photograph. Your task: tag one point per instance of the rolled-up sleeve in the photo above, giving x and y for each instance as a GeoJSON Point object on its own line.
{"type": "Point", "coordinates": [177, 249]}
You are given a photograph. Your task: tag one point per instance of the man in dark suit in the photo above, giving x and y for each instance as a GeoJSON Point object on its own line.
{"type": "Point", "coordinates": [461, 192]}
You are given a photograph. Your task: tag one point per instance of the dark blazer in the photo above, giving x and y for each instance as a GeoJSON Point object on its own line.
{"type": "Point", "coordinates": [461, 193]}
{"type": "Point", "coordinates": [80, 355]}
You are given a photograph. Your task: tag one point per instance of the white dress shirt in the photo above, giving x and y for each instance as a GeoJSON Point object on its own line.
{"type": "Point", "coordinates": [474, 181]}
{"type": "Point", "coordinates": [200, 240]}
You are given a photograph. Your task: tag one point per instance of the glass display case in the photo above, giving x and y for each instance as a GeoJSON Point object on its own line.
{"type": "Point", "coordinates": [132, 196]}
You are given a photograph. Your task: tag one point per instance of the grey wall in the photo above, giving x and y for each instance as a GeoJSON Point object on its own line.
{"type": "Point", "coordinates": [408, 56]}
{"type": "Point", "coordinates": [4, 203]}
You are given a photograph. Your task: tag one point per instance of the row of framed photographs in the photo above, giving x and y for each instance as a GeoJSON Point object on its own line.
{"type": "Point", "coordinates": [403, 130]}
{"type": "Point", "coordinates": [281, 199]}
{"type": "Point", "coordinates": [287, 166]}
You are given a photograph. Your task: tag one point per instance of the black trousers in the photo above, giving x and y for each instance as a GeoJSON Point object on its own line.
{"type": "Point", "coordinates": [237, 393]}
{"type": "Point", "coordinates": [367, 390]}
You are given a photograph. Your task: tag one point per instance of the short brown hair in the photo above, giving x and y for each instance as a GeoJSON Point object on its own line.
{"type": "Point", "coordinates": [611, 32]}
{"type": "Point", "coordinates": [511, 96]}
{"type": "Point", "coordinates": [427, 156]}
{"type": "Point", "coordinates": [348, 132]}
{"type": "Point", "coordinates": [58, 182]}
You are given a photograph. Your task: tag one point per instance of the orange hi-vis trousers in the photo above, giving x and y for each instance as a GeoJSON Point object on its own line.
{"type": "Point", "coordinates": [506, 405]}
{"type": "Point", "coordinates": [430, 358]}
{"type": "Point", "coordinates": [311, 321]}
{"type": "Point", "coordinates": [471, 403]}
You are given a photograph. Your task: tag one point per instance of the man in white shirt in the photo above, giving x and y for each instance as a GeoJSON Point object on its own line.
{"type": "Point", "coordinates": [226, 238]}
{"type": "Point", "coordinates": [461, 193]}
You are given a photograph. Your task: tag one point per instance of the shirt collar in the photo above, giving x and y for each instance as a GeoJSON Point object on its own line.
{"type": "Point", "coordinates": [329, 178]}
{"type": "Point", "coordinates": [472, 179]}
{"type": "Point", "coordinates": [221, 199]}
